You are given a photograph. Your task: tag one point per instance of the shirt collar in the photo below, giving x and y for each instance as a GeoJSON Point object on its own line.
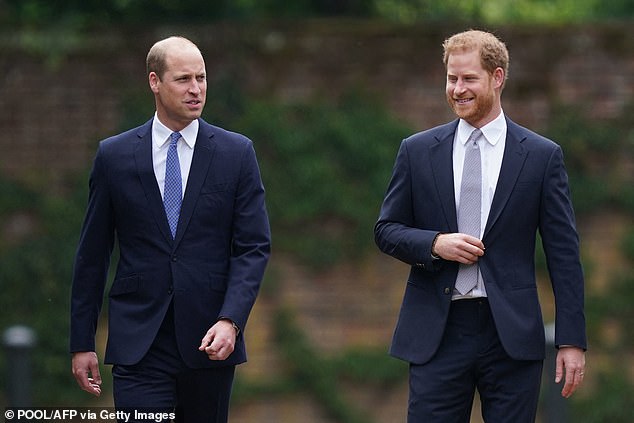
{"type": "Point", "coordinates": [492, 131]}
{"type": "Point", "coordinates": [163, 133]}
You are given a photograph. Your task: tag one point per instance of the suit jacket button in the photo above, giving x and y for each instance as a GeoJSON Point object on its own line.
{"type": "Point", "coordinates": [447, 291]}
{"type": "Point", "coordinates": [170, 290]}
{"type": "Point", "coordinates": [174, 258]}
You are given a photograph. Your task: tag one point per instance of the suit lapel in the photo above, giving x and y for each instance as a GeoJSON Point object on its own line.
{"type": "Point", "coordinates": [514, 157]}
{"type": "Point", "coordinates": [145, 170]}
{"type": "Point", "coordinates": [201, 160]}
{"type": "Point", "coordinates": [442, 166]}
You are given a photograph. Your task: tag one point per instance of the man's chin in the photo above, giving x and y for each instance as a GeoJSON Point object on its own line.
{"type": "Point", "coordinates": [195, 115]}
{"type": "Point", "coordinates": [463, 113]}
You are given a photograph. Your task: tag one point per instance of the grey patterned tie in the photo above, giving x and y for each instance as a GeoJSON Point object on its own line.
{"type": "Point", "coordinates": [173, 191]}
{"type": "Point", "coordinates": [469, 208]}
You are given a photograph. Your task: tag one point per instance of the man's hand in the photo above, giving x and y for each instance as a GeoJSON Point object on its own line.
{"type": "Point", "coordinates": [85, 367]}
{"type": "Point", "coordinates": [572, 362]}
{"type": "Point", "coordinates": [219, 341]}
{"type": "Point", "coordinates": [459, 247]}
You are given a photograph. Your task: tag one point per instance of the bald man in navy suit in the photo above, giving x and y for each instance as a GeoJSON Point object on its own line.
{"type": "Point", "coordinates": [183, 288]}
{"type": "Point", "coordinates": [490, 336]}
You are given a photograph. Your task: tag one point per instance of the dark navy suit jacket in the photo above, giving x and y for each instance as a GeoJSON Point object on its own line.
{"type": "Point", "coordinates": [532, 195]}
{"type": "Point", "coordinates": [213, 267]}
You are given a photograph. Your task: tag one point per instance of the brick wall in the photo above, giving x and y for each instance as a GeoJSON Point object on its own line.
{"type": "Point", "coordinates": [55, 110]}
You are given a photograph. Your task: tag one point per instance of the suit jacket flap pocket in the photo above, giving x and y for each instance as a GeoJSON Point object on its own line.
{"type": "Point", "coordinates": [217, 282]}
{"type": "Point", "coordinates": [125, 285]}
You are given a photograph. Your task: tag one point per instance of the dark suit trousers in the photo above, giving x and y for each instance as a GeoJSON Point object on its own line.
{"type": "Point", "coordinates": [471, 357]}
{"type": "Point", "coordinates": [161, 382]}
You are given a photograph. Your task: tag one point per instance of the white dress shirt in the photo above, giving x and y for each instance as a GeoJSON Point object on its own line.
{"type": "Point", "coordinates": [160, 144]}
{"type": "Point", "coordinates": [491, 153]}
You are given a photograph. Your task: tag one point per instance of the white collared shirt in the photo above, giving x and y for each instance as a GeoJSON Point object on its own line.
{"type": "Point", "coordinates": [160, 144]}
{"type": "Point", "coordinates": [491, 154]}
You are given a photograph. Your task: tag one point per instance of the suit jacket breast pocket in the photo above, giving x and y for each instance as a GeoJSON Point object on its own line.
{"type": "Point", "coordinates": [210, 189]}
{"type": "Point", "coordinates": [525, 198]}
{"type": "Point", "coordinates": [217, 196]}
{"type": "Point", "coordinates": [527, 185]}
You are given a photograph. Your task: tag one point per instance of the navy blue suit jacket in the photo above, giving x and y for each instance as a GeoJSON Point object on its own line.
{"type": "Point", "coordinates": [532, 195]}
{"type": "Point", "coordinates": [213, 267]}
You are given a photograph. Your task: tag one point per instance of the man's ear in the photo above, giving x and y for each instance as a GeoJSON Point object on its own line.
{"type": "Point", "coordinates": [499, 76]}
{"type": "Point", "coordinates": [154, 81]}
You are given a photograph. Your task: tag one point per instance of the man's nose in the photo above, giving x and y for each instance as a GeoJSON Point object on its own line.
{"type": "Point", "coordinates": [459, 86]}
{"type": "Point", "coordinates": [194, 87]}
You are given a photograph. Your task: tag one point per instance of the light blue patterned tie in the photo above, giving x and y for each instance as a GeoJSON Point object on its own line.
{"type": "Point", "coordinates": [469, 208]}
{"type": "Point", "coordinates": [173, 190]}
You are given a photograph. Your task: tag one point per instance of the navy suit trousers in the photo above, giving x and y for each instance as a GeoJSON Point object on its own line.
{"type": "Point", "coordinates": [161, 382]}
{"type": "Point", "coordinates": [471, 357]}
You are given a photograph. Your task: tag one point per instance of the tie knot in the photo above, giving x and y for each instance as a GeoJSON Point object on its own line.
{"type": "Point", "coordinates": [475, 135]}
{"type": "Point", "coordinates": [174, 138]}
